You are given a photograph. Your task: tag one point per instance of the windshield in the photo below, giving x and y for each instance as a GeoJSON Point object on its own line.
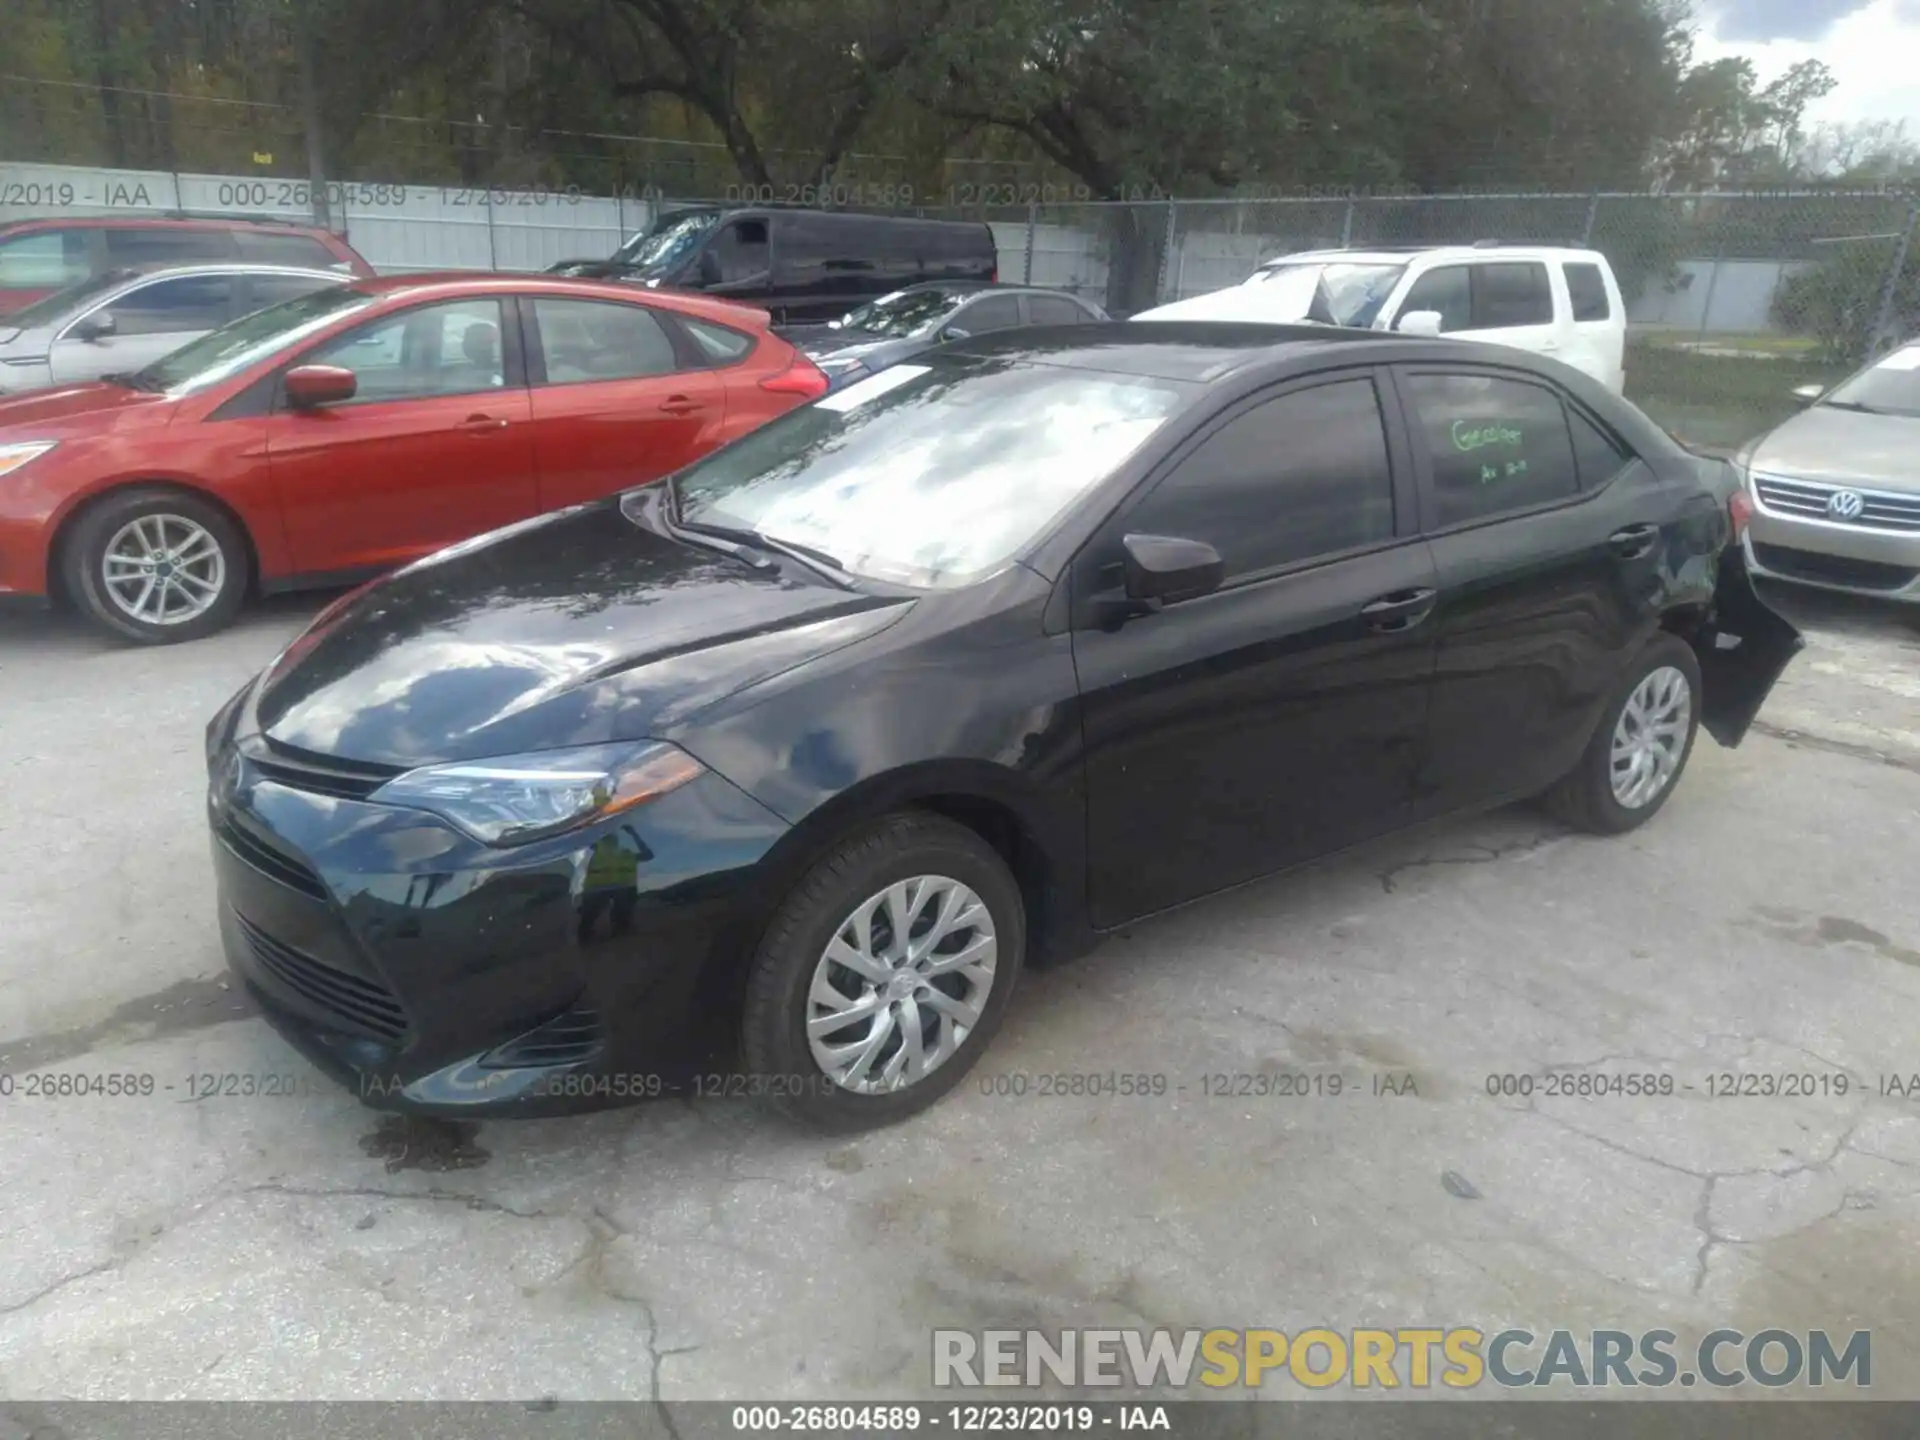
{"type": "Point", "coordinates": [1332, 292]}
{"type": "Point", "coordinates": [930, 475]}
{"type": "Point", "coordinates": [49, 309]}
{"type": "Point", "coordinates": [669, 244]}
{"type": "Point", "coordinates": [233, 348]}
{"type": "Point", "coordinates": [903, 314]}
{"type": "Point", "coordinates": [1889, 387]}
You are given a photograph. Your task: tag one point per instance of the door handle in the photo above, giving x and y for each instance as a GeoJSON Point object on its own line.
{"type": "Point", "coordinates": [680, 405]}
{"type": "Point", "coordinates": [483, 424]}
{"type": "Point", "coordinates": [1398, 612]}
{"type": "Point", "coordinates": [1633, 542]}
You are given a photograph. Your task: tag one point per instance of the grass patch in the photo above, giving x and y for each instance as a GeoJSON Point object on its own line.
{"type": "Point", "coordinates": [1719, 400]}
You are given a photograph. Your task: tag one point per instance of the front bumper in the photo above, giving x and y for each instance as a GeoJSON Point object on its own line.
{"type": "Point", "coordinates": [1877, 555]}
{"type": "Point", "coordinates": [431, 974]}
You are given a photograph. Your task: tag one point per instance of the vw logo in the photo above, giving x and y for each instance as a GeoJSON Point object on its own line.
{"type": "Point", "coordinates": [1845, 505]}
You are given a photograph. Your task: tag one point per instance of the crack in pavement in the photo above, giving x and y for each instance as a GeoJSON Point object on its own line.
{"type": "Point", "coordinates": [1851, 749]}
{"type": "Point", "coordinates": [1478, 855]}
{"type": "Point", "coordinates": [59, 1285]}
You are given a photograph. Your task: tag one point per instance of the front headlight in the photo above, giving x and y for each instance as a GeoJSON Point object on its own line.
{"type": "Point", "coordinates": [12, 457]}
{"type": "Point", "coordinates": [519, 798]}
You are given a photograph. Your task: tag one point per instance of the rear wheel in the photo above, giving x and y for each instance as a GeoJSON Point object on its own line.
{"type": "Point", "coordinates": [156, 565]}
{"type": "Point", "coordinates": [1640, 747]}
{"type": "Point", "coordinates": [884, 975]}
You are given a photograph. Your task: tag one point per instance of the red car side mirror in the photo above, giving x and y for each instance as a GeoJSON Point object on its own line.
{"type": "Point", "coordinates": [310, 386]}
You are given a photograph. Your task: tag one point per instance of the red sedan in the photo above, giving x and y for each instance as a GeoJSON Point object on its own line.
{"type": "Point", "coordinates": [357, 428]}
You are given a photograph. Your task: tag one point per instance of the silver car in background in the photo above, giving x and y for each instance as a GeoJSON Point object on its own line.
{"type": "Point", "coordinates": [1836, 489]}
{"type": "Point", "coordinates": [122, 320]}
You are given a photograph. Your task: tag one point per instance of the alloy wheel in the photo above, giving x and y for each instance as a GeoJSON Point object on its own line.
{"type": "Point", "coordinates": [901, 985]}
{"type": "Point", "coordinates": [163, 569]}
{"type": "Point", "coordinates": [1650, 739]}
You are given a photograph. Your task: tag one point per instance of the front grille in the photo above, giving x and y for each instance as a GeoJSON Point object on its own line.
{"type": "Point", "coordinates": [1806, 500]}
{"type": "Point", "coordinates": [360, 1003]}
{"type": "Point", "coordinates": [274, 863]}
{"type": "Point", "coordinates": [1832, 569]}
{"type": "Point", "coordinates": [318, 774]}
{"type": "Point", "coordinates": [567, 1039]}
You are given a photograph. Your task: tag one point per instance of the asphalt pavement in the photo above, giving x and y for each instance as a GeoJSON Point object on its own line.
{"type": "Point", "coordinates": [296, 1246]}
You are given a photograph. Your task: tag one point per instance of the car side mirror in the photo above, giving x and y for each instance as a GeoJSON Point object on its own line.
{"type": "Point", "coordinates": [954, 332]}
{"type": "Point", "coordinates": [311, 386]}
{"type": "Point", "coordinates": [1430, 323]}
{"type": "Point", "coordinates": [707, 268]}
{"type": "Point", "coordinates": [1164, 569]}
{"type": "Point", "coordinates": [1808, 394]}
{"type": "Point", "coordinates": [97, 326]}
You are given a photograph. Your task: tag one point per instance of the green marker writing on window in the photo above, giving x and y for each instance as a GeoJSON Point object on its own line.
{"type": "Point", "coordinates": [1468, 438]}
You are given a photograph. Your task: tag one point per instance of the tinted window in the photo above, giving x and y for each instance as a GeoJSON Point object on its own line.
{"type": "Point", "coordinates": [1448, 290]}
{"type": "Point", "coordinates": [995, 312]}
{"type": "Point", "coordinates": [44, 260]}
{"type": "Point", "coordinates": [1509, 295]}
{"type": "Point", "coordinates": [167, 247]}
{"type": "Point", "coordinates": [188, 305]}
{"type": "Point", "coordinates": [599, 340]}
{"type": "Point", "coordinates": [741, 250]}
{"type": "Point", "coordinates": [1495, 445]}
{"type": "Point", "coordinates": [1299, 476]}
{"type": "Point", "coordinates": [265, 290]}
{"type": "Point", "coordinates": [1588, 289]}
{"type": "Point", "coordinates": [1052, 310]}
{"type": "Point", "coordinates": [451, 349]}
{"type": "Point", "coordinates": [1598, 454]}
{"type": "Point", "coordinates": [716, 343]}
{"type": "Point", "coordinates": [267, 249]}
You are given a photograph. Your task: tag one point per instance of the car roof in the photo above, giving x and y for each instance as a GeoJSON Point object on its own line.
{"type": "Point", "coordinates": [162, 222]}
{"type": "Point", "coordinates": [452, 284]}
{"type": "Point", "coordinates": [1192, 350]}
{"type": "Point", "coordinates": [1401, 254]}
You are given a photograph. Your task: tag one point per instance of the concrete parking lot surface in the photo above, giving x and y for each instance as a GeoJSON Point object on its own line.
{"type": "Point", "coordinates": [297, 1246]}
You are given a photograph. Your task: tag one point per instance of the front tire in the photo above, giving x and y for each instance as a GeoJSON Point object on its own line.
{"type": "Point", "coordinates": [884, 974]}
{"type": "Point", "coordinates": [157, 566]}
{"type": "Point", "coordinates": [1641, 746]}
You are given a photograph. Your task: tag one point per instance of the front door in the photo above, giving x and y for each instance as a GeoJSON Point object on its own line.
{"type": "Point", "coordinates": [1282, 716]}
{"type": "Point", "coordinates": [146, 323]}
{"type": "Point", "coordinates": [434, 447]}
{"type": "Point", "coordinates": [614, 402]}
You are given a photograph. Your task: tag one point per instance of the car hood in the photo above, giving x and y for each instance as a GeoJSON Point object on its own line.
{"type": "Point", "coordinates": [1255, 304]}
{"type": "Point", "coordinates": [1844, 447]}
{"type": "Point", "coordinates": [576, 628]}
{"type": "Point", "coordinates": [73, 410]}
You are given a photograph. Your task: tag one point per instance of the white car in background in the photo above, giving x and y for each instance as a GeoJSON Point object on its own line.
{"type": "Point", "coordinates": [1541, 298]}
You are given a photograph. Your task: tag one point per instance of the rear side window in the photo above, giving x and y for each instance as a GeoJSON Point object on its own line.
{"type": "Point", "coordinates": [602, 340]}
{"type": "Point", "coordinates": [1511, 294]}
{"type": "Point", "coordinates": [1297, 477]}
{"type": "Point", "coordinates": [1448, 290]}
{"type": "Point", "coordinates": [1494, 445]}
{"type": "Point", "coordinates": [1598, 454]}
{"type": "Point", "coordinates": [716, 343]}
{"type": "Point", "coordinates": [186, 306]}
{"type": "Point", "coordinates": [1052, 310]}
{"type": "Point", "coordinates": [168, 247]}
{"type": "Point", "coordinates": [1587, 288]}
{"type": "Point", "coordinates": [301, 250]}
{"type": "Point", "coordinates": [44, 260]}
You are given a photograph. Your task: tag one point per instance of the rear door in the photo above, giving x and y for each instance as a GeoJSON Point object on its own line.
{"type": "Point", "coordinates": [435, 446]}
{"type": "Point", "coordinates": [1282, 716]}
{"type": "Point", "coordinates": [149, 321]}
{"type": "Point", "coordinates": [1549, 539]}
{"type": "Point", "coordinates": [620, 396]}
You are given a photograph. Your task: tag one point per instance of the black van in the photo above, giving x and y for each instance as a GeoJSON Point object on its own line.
{"type": "Point", "coordinates": [804, 266]}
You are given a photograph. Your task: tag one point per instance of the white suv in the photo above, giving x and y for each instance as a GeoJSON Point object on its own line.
{"type": "Point", "coordinates": [1551, 301]}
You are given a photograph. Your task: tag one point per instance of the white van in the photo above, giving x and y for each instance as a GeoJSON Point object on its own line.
{"type": "Point", "coordinates": [1551, 301]}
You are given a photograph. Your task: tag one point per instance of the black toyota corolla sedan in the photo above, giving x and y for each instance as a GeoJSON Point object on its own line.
{"type": "Point", "coordinates": [957, 668]}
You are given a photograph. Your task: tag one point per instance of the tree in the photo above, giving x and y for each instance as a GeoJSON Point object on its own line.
{"type": "Point", "coordinates": [1839, 301]}
{"type": "Point", "coordinates": [1725, 129]}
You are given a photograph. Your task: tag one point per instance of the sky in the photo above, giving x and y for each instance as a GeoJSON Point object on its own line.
{"type": "Point", "coordinates": [1872, 47]}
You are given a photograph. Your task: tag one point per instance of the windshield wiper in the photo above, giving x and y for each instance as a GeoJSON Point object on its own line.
{"type": "Point", "coordinates": [131, 379]}
{"type": "Point", "coordinates": [807, 555]}
{"type": "Point", "coordinates": [1854, 405]}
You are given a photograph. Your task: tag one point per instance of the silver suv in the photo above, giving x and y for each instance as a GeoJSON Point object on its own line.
{"type": "Point", "coordinates": [122, 320]}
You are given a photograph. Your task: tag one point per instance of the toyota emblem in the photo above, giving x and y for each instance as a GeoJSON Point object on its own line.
{"type": "Point", "coordinates": [1846, 505]}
